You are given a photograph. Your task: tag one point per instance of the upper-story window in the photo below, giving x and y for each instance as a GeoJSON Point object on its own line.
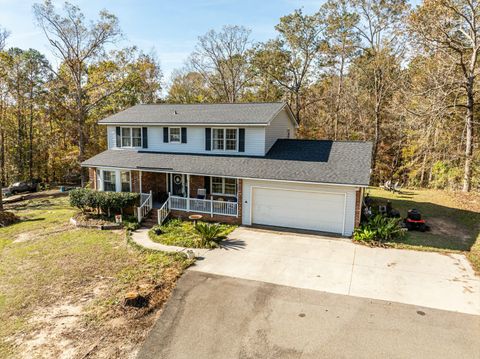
{"type": "Point", "coordinates": [175, 134]}
{"type": "Point", "coordinates": [225, 139]}
{"type": "Point", "coordinates": [131, 137]}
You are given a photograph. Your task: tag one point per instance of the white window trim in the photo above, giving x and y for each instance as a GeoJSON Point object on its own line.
{"type": "Point", "coordinates": [170, 139]}
{"type": "Point", "coordinates": [131, 137]}
{"type": "Point", "coordinates": [223, 187]}
{"type": "Point", "coordinates": [129, 180]}
{"type": "Point", "coordinates": [225, 139]}
{"type": "Point", "coordinates": [114, 183]}
{"type": "Point", "coordinates": [118, 179]}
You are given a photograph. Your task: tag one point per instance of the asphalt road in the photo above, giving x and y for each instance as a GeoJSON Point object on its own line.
{"type": "Point", "coordinates": [211, 316]}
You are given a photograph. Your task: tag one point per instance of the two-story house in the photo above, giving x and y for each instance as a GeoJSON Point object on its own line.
{"type": "Point", "coordinates": [236, 163]}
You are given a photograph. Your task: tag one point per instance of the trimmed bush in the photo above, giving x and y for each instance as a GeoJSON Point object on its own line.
{"type": "Point", "coordinates": [85, 199]}
{"type": "Point", "coordinates": [379, 229]}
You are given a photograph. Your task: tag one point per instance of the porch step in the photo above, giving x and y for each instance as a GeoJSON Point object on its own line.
{"type": "Point", "coordinates": [151, 220]}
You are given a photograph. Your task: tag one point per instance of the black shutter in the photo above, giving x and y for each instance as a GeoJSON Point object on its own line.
{"type": "Point", "coordinates": [165, 134]}
{"type": "Point", "coordinates": [119, 138]}
{"type": "Point", "coordinates": [208, 139]}
{"type": "Point", "coordinates": [241, 140]}
{"type": "Point", "coordinates": [145, 137]}
{"type": "Point", "coordinates": [184, 135]}
{"type": "Point", "coordinates": [207, 184]}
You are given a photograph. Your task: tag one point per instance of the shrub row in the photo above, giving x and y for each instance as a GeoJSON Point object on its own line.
{"type": "Point", "coordinates": [85, 198]}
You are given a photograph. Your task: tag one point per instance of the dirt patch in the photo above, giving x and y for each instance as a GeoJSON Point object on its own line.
{"type": "Point", "coordinates": [74, 328]}
{"type": "Point", "coordinates": [446, 227]}
{"type": "Point", "coordinates": [24, 237]}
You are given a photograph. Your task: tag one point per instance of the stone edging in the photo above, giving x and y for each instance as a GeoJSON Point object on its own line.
{"type": "Point", "coordinates": [95, 226]}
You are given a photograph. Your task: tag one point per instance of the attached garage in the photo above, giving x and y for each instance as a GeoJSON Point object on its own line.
{"type": "Point", "coordinates": [301, 206]}
{"type": "Point", "coordinates": [318, 211]}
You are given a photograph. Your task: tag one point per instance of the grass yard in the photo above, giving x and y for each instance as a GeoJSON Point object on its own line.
{"type": "Point", "coordinates": [454, 218]}
{"type": "Point", "coordinates": [180, 233]}
{"type": "Point", "coordinates": [62, 288]}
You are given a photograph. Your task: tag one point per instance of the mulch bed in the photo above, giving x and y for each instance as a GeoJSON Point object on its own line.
{"type": "Point", "coordinates": [83, 220]}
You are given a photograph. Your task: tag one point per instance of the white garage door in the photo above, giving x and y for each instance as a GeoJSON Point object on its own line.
{"type": "Point", "coordinates": [298, 209]}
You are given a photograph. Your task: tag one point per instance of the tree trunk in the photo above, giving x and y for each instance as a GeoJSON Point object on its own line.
{"type": "Point", "coordinates": [467, 175]}
{"type": "Point", "coordinates": [30, 140]}
{"type": "Point", "coordinates": [339, 95]}
{"type": "Point", "coordinates": [81, 145]}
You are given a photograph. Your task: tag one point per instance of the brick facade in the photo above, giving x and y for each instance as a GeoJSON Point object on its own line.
{"type": "Point", "coordinates": [135, 180]}
{"type": "Point", "coordinates": [358, 207]}
{"type": "Point", "coordinates": [92, 177]}
{"type": "Point", "coordinates": [196, 183]}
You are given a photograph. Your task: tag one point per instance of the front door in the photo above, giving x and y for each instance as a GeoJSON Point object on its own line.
{"type": "Point", "coordinates": [178, 184]}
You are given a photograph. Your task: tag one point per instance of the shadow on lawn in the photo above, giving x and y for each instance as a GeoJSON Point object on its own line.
{"type": "Point", "coordinates": [450, 228]}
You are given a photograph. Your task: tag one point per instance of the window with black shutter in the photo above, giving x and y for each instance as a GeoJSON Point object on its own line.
{"type": "Point", "coordinates": [208, 139]}
{"type": "Point", "coordinates": [241, 140]}
{"type": "Point", "coordinates": [184, 135]}
{"type": "Point", "coordinates": [144, 137]}
{"type": "Point", "coordinates": [165, 134]}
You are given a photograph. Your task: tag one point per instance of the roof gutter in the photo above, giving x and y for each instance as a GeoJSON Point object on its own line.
{"type": "Point", "coordinates": [170, 170]}
{"type": "Point", "coordinates": [182, 124]}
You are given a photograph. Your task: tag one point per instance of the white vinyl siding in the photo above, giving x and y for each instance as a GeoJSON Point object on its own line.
{"type": "Point", "coordinates": [280, 127]}
{"type": "Point", "coordinates": [254, 141]}
{"type": "Point", "coordinates": [295, 193]}
{"type": "Point", "coordinates": [111, 137]}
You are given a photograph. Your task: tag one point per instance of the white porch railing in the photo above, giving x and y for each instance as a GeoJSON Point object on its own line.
{"type": "Point", "coordinates": [163, 212]}
{"type": "Point", "coordinates": [212, 207]}
{"type": "Point", "coordinates": [146, 204]}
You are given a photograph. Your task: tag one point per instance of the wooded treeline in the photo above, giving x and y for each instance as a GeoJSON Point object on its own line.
{"type": "Point", "coordinates": [378, 70]}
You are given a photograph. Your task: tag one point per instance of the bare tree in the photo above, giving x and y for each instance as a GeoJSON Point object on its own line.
{"type": "Point", "coordinates": [4, 34]}
{"type": "Point", "coordinates": [343, 43]}
{"type": "Point", "coordinates": [77, 44]}
{"type": "Point", "coordinates": [222, 59]}
{"type": "Point", "coordinates": [292, 58]}
{"type": "Point", "coordinates": [451, 27]}
{"type": "Point", "coordinates": [379, 26]}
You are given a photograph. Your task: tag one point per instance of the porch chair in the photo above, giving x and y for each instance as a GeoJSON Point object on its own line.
{"type": "Point", "coordinates": [201, 193]}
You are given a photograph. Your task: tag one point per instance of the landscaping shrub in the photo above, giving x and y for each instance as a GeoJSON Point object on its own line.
{"type": "Point", "coordinates": [85, 199]}
{"type": "Point", "coordinates": [210, 233]}
{"type": "Point", "coordinates": [379, 229]}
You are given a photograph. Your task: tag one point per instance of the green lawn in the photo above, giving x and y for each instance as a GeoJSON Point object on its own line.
{"type": "Point", "coordinates": [454, 218]}
{"type": "Point", "coordinates": [46, 264]}
{"type": "Point", "coordinates": [180, 233]}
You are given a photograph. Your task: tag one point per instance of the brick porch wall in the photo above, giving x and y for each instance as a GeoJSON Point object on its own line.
{"type": "Point", "coordinates": [358, 207]}
{"type": "Point", "coordinates": [197, 182]}
{"type": "Point", "coordinates": [92, 177]}
{"type": "Point", "coordinates": [135, 181]}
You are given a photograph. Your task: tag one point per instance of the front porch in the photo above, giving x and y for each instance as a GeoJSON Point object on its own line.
{"type": "Point", "coordinates": [178, 194]}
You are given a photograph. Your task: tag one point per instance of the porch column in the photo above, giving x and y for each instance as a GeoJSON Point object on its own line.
{"type": "Point", "coordinates": [188, 193]}
{"type": "Point", "coordinates": [140, 181]}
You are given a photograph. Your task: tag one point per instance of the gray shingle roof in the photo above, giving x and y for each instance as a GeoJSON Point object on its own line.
{"type": "Point", "coordinates": [289, 160]}
{"type": "Point", "coordinates": [197, 114]}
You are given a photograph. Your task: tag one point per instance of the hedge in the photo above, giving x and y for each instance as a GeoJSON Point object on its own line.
{"type": "Point", "coordinates": [85, 198]}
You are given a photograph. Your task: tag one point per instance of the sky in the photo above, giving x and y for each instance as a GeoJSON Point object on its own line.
{"type": "Point", "coordinates": [168, 28]}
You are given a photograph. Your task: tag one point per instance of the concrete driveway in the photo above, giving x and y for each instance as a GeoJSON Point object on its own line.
{"type": "Point", "coordinates": [338, 266]}
{"type": "Point", "coordinates": [217, 317]}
